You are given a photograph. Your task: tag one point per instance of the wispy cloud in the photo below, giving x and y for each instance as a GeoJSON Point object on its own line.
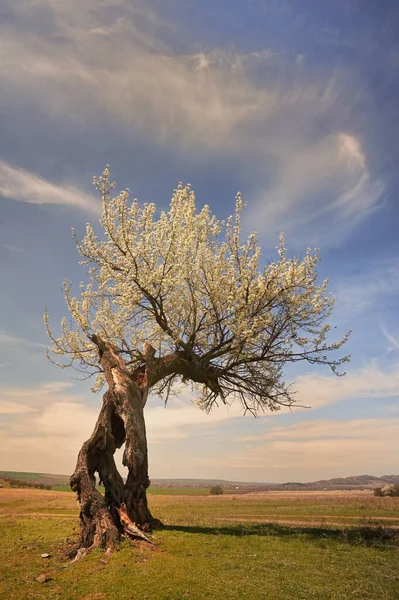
{"type": "Point", "coordinates": [182, 419]}
{"type": "Point", "coordinates": [319, 449]}
{"type": "Point", "coordinates": [359, 292]}
{"type": "Point", "coordinates": [18, 350]}
{"type": "Point", "coordinates": [113, 67]}
{"type": "Point", "coordinates": [12, 248]}
{"type": "Point", "coordinates": [369, 382]}
{"type": "Point", "coordinates": [295, 128]}
{"type": "Point", "coordinates": [54, 415]}
{"type": "Point", "coordinates": [24, 186]}
{"type": "Point", "coordinates": [324, 181]}
{"type": "Point", "coordinates": [42, 417]}
{"type": "Point", "coordinates": [40, 396]}
{"type": "Point", "coordinates": [390, 338]}
{"type": "Point", "coordinates": [8, 339]}
{"type": "Point", "coordinates": [11, 408]}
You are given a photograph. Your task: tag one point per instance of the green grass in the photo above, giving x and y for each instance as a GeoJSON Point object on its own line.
{"type": "Point", "coordinates": [199, 557]}
{"type": "Point", "coordinates": [66, 488]}
{"type": "Point", "coordinates": [181, 491]}
{"type": "Point", "coordinates": [50, 478]}
{"type": "Point", "coordinates": [21, 475]}
{"type": "Point", "coordinates": [168, 491]}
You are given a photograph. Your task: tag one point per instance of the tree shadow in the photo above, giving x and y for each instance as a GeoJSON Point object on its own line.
{"type": "Point", "coordinates": [377, 536]}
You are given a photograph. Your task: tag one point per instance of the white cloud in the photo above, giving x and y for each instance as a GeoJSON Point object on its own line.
{"type": "Point", "coordinates": [350, 149]}
{"type": "Point", "coordinates": [293, 125]}
{"type": "Point", "coordinates": [320, 449]}
{"type": "Point", "coordinates": [24, 186]}
{"type": "Point", "coordinates": [69, 421]}
{"type": "Point", "coordinates": [12, 248]}
{"type": "Point", "coordinates": [11, 408]}
{"type": "Point", "coordinates": [17, 348]}
{"type": "Point", "coordinates": [324, 181]}
{"type": "Point", "coordinates": [360, 292]}
{"type": "Point", "coordinates": [330, 429]}
{"type": "Point", "coordinates": [52, 416]}
{"type": "Point", "coordinates": [37, 397]}
{"type": "Point", "coordinates": [9, 339]}
{"type": "Point", "coordinates": [368, 382]}
{"type": "Point", "coordinates": [181, 419]}
{"type": "Point", "coordinates": [45, 427]}
{"type": "Point", "coordinates": [116, 69]}
{"type": "Point", "coordinates": [391, 338]}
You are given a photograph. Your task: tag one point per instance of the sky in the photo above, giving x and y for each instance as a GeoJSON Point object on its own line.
{"type": "Point", "coordinates": [291, 102]}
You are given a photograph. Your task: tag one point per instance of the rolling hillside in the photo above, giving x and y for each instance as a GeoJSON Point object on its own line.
{"type": "Point", "coordinates": [339, 483]}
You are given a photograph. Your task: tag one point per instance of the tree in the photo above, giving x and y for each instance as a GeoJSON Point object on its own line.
{"type": "Point", "coordinates": [390, 489]}
{"type": "Point", "coordinates": [216, 490]}
{"type": "Point", "coordinates": [171, 299]}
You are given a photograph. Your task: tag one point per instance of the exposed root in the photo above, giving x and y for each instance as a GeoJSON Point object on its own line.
{"type": "Point", "coordinates": [80, 554]}
{"type": "Point", "coordinates": [107, 556]}
{"type": "Point", "coordinates": [129, 528]}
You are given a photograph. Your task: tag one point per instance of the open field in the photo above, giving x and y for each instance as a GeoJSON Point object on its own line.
{"type": "Point", "coordinates": [174, 491]}
{"type": "Point", "coordinates": [275, 545]}
{"type": "Point", "coordinates": [50, 478]}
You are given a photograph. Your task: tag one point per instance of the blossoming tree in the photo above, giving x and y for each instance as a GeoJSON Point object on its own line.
{"type": "Point", "coordinates": [176, 298]}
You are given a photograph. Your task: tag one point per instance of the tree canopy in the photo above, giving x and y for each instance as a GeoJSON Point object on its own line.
{"type": "Point", "coordinates": [185, 288]}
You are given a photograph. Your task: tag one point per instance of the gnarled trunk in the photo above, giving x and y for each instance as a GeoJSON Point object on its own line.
{"type": "Point", "coordinates": [123, 508]}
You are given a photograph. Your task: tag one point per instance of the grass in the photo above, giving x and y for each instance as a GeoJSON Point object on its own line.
{"type": "Point", "coordinates": [66, 488]}
{"type": "Point", "coordinates": [50, 478]}
{"type": "Point", "coordinates": [21, 475]}
{"type": "Point", "coordinates": [203, 553]}
{"type": "Point", "coordinates": [181, 491]}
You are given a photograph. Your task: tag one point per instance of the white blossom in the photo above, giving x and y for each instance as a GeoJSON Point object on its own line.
{"type": "Point", "coordinates": [184, 280]}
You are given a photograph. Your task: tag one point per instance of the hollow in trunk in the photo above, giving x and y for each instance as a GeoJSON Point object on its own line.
{"type": "Point", "coordinates": [123, 509]}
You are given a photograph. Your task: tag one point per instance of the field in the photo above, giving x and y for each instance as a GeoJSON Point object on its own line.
{"type": "Point", "coordinates": [49, 478]}
{"type": "Point", "coordinates": [275, 545]}
{"type": "Point", "coordinates": [174, 491]}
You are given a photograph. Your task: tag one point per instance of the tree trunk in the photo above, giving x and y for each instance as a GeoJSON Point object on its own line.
{"type": "Point", "coordinates": [123, 509]}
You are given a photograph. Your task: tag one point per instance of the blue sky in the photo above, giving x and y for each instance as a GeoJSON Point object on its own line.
{"type": "Point", "coordinates": [292, 102]}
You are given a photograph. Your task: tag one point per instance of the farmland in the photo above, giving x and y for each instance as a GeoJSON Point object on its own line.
{"type": "Point", "coordinates": [277, 545]}
{"type": "Point", "coordinates": [189, 491]}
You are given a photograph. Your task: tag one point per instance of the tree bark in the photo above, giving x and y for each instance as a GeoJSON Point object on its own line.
{"type": "Point", "coordinates": [123, 509]}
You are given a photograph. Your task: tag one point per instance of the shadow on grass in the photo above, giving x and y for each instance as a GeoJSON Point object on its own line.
{"type": "Point", "coordinates": [366, 536]}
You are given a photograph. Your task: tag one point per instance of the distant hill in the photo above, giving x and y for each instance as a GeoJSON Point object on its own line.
{"type": "Point", "coordinates": [355, 482]}
{"type": "Point", "coordinates": [339, 483]}
{"type": "Point", "coordinates": [207, 483]}
{"type": "Point", "coordinates": [46, 478]}
{"type": "Point", "coordinates": [364, 481]}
